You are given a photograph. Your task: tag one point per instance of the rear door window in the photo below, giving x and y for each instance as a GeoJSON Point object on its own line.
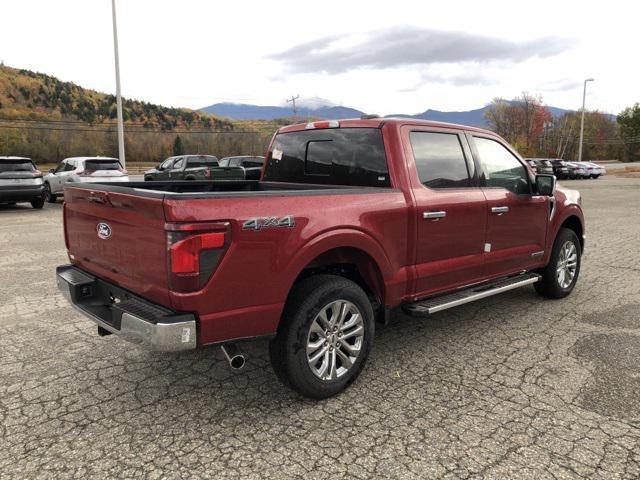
{"type": "Point", "coordinates": [340, 156]}
{"type": "Point", "coordinates": [440, 160]}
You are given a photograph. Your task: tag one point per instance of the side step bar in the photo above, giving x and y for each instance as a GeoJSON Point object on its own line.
{"type": "Point", "coordinates": [436, 304]}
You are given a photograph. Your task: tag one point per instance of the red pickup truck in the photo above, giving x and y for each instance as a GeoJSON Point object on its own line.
{"type": "Point", "coordinates": [350, 221]}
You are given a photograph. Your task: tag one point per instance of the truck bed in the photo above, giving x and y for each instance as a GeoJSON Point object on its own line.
{"type": "Point", "coordinates": [224, 188]}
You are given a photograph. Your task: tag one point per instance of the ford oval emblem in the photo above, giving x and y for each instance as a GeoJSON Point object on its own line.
{"type": "Point", "coordinates": [104, 230]}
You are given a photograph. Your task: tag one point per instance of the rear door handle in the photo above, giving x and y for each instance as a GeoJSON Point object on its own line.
{"type": "Point", "coordinates": [433, 215]}
{"type": "Point", "coordinates": [499, 210]}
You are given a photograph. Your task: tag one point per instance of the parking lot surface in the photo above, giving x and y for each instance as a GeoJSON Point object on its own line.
{"type": "Point", "coordinates": [513, 386]}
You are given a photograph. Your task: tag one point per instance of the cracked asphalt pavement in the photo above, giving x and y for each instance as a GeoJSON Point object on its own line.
{"type": "Point", "coordinates": [513, 386]}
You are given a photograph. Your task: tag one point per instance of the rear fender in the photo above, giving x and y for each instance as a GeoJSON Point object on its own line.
{"type": "Point", "coordinates": [341, 239]}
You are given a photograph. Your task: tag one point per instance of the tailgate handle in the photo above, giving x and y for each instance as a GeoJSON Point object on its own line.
{"type": "Point", "coordinates": [101, 198]}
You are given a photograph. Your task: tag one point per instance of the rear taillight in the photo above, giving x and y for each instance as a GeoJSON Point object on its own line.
{"type": "Point", "coordinates": [207, 173]}
{"type": "Point", "coordinates": [123, 171]}
{"type": "Point", "coordinates": [195, 250]}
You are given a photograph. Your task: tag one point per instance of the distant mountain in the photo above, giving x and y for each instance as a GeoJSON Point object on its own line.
{"type": "Point", "coordinates": [242, 111]}
{"type": "Point", "coordinates": [474, 118]}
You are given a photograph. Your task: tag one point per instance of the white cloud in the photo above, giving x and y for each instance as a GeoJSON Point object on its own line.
{"type": "Point", "coordinates": [197, 52]}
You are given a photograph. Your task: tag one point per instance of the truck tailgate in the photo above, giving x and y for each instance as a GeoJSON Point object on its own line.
{"type": "Point", "coordinates": [120, 238]}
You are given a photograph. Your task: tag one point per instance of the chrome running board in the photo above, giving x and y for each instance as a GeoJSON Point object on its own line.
{"type": "Point", "coordinates": [436, 304]}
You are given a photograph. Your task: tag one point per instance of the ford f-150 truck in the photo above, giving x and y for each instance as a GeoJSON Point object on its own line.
{"type": "Point", "coordinates": [350, 222]}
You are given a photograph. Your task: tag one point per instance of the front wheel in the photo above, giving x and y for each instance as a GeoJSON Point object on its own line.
{"type": "Point", "coordinates": [324, 337]}
{"type": "Point", "coordinates": [560, 275]}
{"type": "Point", "coordinates": [48, 195]}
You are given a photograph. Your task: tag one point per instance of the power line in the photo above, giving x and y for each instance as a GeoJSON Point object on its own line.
{"type": "Point", "coordinates": [293, 100]}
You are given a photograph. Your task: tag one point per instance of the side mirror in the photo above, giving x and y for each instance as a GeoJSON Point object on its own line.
{"type": "Point", "coordinates": [546, 185]}
{"type": "Point", "coordinates": [52, 170]}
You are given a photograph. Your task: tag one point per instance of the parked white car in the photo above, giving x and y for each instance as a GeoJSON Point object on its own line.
{"type": "Point", "coordinates": [82, 170]}
{"type": "Point", "coordinates": [594, 170]}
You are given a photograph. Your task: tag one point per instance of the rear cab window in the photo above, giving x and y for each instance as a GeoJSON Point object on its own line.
{"type": "Point", "coordinates": [107, 164]}
{"type": "Point", "coordinates": [16, 166]}
{"type": "Point", "coordinates": [253, 162]}
{"type": "Point", "coordinates": [202, 161]}
{"type": "Point", "coordinates": [338, 156]}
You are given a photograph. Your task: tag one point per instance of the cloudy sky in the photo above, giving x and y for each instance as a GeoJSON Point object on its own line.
{"type": "Point", "coordinates": [379, 57]}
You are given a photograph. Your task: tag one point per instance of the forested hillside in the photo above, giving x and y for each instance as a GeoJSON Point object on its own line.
{"type": "Point", "coordinates": [46, 119]}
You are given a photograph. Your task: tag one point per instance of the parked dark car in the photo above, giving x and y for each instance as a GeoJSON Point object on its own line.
{"type": "Point", "coordinates": [20, 181]}
{"type": "Point", "coordinates": [252, 165]}
{"type": "Point", "coordinates": [560, 168]}
{"type": "Point", "coordinates": [540, 165]}
{"type": "Point", "coordinates": [193, 167]}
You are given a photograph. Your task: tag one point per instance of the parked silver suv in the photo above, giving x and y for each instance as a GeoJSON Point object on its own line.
{"type": "Point", "coordinates": [82, 170]}
{"type": "Point", "coordinates": [20, 181]}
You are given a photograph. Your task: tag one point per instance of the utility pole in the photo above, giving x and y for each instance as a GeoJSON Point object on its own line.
{"type": "Point", "coordinates": [118, 95]}
{"type": "Point", "coordinates": [584, 96]}
{"type": "Point", "coordinates": [293, 101]}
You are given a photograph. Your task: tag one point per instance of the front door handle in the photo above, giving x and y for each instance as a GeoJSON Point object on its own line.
{"type": "Point", "coordinates": [434, 215]}
{"type": "Point", "coordinates": [499, 210]}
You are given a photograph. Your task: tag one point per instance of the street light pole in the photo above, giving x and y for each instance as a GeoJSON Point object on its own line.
{"type": "Point", "coordinates": [118, 95]}
{"type": "Point", "coordinates": [584, 96]}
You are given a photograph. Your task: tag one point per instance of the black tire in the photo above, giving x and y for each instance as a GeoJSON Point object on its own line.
{"type": "Point", "coordinates": [48, 196]}
{"type": "Point", "coordinates": [549, 285]}
{"type": "Point", "coordinates": [190, 178]}
{"type": "Point", "coordinates": [37, 202]}
{"type": "Point", "coordinates": [148, 179]}
{"type": "Point", "coordinates": [288, 350]}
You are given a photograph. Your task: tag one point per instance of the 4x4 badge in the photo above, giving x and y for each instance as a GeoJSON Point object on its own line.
{"type": "Point", "coordinates": [259, 223]}
{"type": "Point", "coordinates": [104, 230]}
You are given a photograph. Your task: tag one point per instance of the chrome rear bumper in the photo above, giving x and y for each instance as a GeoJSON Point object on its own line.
{"type": "Point", "coordinates": [119, 311]}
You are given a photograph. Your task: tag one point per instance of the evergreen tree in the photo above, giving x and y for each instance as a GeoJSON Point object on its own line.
{"type": "Point", "coordinates": [178, 149]}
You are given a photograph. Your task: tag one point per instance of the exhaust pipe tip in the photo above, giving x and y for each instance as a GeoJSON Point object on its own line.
{"type": "Point", "coordinates": [233, 355]}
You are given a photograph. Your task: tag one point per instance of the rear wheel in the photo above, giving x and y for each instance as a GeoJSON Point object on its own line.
{"type": "Point", "coordinates": [325, 336]}
{"type": "Point", "coordinates": [148, 179]}
{"type": "Point", "coordinates": [37, 203]}
{"type": "Point", "coordinates": [48, 195]}
{"type": "Point", "coordinates": [560, 275]}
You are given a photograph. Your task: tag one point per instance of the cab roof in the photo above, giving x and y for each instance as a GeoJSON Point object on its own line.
{"type": "Point", "coordinates": [90, 158]}
{"type": "Point", "coordinates": [379, 122]}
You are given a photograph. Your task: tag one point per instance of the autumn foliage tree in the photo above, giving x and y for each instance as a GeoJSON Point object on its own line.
{"type": "Point", "coordinates": [520, 121]}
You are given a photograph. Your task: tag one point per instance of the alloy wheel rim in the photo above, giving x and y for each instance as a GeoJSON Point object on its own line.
{"type": "Point", "coordinates": [335, 340]}
{"type": "Point", "coordinates": [567, 264]}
